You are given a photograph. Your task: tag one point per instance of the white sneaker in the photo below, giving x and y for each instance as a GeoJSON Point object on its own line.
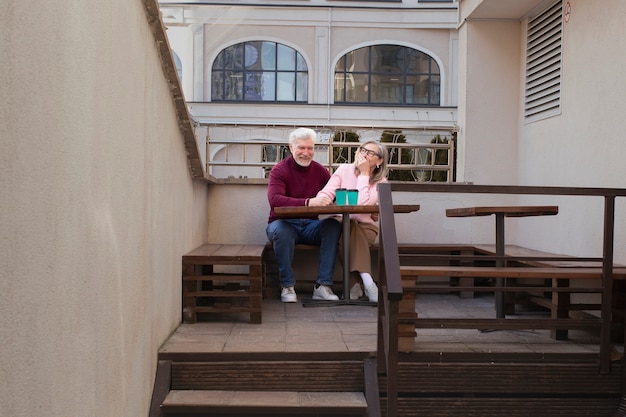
{"type": "Point", "coordinates": [372, 292]}
{"type": "Point", "coordinates": [356, 292]}
{"type": "Point", "coordinates": [323, 292]}
{"type": "Point", "coordinates": [288, 295]}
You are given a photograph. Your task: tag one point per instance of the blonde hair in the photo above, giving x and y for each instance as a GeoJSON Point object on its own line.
{"type": "Point", "coordinates": [380, 171]}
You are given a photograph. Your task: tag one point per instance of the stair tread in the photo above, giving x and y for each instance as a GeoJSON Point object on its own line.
{"type": "Point", "coordinates": [274, 399]}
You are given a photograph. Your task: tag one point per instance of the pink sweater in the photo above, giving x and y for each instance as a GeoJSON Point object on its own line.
{"type": "Point", "coordinates": [345, 177]}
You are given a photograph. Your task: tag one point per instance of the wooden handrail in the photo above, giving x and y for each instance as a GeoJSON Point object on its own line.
{"type": "Point", "coordinates": [391, 294]}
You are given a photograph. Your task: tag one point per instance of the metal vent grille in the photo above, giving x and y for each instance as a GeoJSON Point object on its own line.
{"type": "Point", "coordinates": [543, 64]}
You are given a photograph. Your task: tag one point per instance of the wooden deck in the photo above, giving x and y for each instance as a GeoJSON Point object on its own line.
{"type": "Point", "coordinates": [451, 371]}
{"type": "Point", "coordinates": [350, 331]}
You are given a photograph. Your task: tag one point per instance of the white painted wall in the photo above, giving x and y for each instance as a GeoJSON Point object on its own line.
{"type": "Point", "coordinates": [97, 208]}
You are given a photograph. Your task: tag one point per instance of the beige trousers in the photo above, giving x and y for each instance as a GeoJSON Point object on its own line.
{"type": "Point", "coordinates": [362, 236]}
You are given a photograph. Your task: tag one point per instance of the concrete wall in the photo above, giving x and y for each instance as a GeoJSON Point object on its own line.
{"type": "Point", "coordinates": [98, 206]}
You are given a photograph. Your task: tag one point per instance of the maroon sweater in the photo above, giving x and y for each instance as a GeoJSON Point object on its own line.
{"type": "Point", "coordinates": [291, 184]}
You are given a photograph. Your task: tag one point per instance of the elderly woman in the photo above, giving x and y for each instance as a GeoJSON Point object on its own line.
{"type": "Point", "coordinates": [369, 168]}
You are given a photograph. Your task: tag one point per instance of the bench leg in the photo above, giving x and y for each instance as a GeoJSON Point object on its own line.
{"type": "Point", "coordinates": [466, 282]}
{"type": "Point", "coordinates": [256, 294]}
{"type": "Point", "coordinates": [189, 301]}
{"type": "Point", "coordinates": [560, 307]}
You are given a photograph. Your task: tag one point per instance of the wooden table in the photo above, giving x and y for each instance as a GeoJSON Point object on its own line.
{"type": "Point", "coordinates": [501, 212]}
{"type": "Point", "coordinates": [345, 211]}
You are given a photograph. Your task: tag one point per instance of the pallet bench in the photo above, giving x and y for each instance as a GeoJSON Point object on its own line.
{"type": "Point", "coordinates": [208, 290]}
{"type": "Point", "coordinates": [560, 306]}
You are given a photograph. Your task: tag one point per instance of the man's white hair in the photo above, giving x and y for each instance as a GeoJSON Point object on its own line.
{"type": "Point", "coordinates": [302, 133]}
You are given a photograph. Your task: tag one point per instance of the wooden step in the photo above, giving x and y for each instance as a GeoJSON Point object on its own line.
{"type": "Point", "coordinates": [249, 403]}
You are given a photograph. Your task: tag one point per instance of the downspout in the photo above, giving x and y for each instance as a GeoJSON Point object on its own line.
{"type": "Point", "coordinates": [331, 88]}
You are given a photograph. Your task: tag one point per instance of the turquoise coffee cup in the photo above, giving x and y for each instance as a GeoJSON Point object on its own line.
{"type": "Point", "coordinates": [353, 197]}
{"type": "Point", "coordinates": [341, 196]}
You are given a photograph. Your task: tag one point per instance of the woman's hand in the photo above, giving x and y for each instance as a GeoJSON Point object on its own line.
{"type": "Point", "coordinates": [363, 164]}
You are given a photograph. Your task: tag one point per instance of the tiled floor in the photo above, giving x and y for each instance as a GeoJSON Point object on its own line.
{"type": "Point", "coordinates": [294, 328]}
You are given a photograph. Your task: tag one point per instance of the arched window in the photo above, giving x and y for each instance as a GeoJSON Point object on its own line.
{"type": "Point", "coordinates": [387, 74]}
{"type": "Point", "coordinates": [259, 71]}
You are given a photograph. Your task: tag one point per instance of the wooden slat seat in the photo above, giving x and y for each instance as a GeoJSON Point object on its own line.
{"type": "Point", "coordinates": [206, 290]}
{"type": "Point", "coordinates": [560, 307]}
{"type": "Point", "coordinates": [512, 272]}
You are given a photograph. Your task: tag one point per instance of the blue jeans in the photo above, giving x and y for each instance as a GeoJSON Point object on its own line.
{"type": "Point", "coordinates": [286, 233]}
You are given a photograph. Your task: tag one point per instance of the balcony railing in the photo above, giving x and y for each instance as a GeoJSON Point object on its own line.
{"type": "Point", "coordinates": [432, 159]}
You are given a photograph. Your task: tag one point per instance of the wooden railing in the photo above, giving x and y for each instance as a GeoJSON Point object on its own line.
{"type": "Point", "coordinates": [390, 267]}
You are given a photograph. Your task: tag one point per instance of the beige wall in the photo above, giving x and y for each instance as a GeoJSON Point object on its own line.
{"type": "Point", "coordinates": [579, 147]}
{"type": "Point", "coordinates": [97, 208]}
{"type": "Point", "coordinates": [583, 146]}
{"type": "Point", "coordinates": [489, 103]}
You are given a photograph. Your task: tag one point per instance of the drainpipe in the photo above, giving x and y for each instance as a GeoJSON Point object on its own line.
{"type": "Point", "coordinates": [331, 88]}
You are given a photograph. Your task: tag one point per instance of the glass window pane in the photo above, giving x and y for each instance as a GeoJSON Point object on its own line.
{"type": "Point", "coordinates": [233, 85]}
{"type": "Point", "coordinates": [253, 86]}
{"type": "Point", "coordinates": [252, 56]}
{"type": "Point", "coordinates": [340, 66]}
{"type": "Point", "coordinates": [357, 88]}
{"type": "Point", "coordinates": [417, 89]}
{"type": "Point", "coordinates": [302, 84]}
{"type": "Point", "coordinates": [269, 55]}
{"type": "Point", "coordinates": [269, 86]}
{"type": "Point", "coordinates": [435, 90]}
{"type": "Point", "coordinates": [286, 58]}
{"type": "Point", "coordinates": [358, 60]}
{"type": "Point", "coordinates": [434, 67]}
{"type": "Point", "coordinates": [300, 63]}
{"type": "Point", "coordinates": [387, 89]}
{"type": "Point", "coordinates": [339, 87]}
{"type": "Point", "coordinates": [217, 85]}
{"type": "Point", "coordinates": [233, 57]}
{"type": "Point", "coordinates": [219, 61]}
{"type": "Point", "coordinates": [286, 86]}
{"type": "Point", "coordinates": [387, 59]}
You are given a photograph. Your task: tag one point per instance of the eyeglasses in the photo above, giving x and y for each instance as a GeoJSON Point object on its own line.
{"type": "Point", "coordinates": [369, 152]}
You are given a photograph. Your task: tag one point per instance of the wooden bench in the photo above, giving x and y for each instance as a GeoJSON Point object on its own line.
{"type": "Point", "coordinates": [271, 287]}
{"type": "Point", "coordinates": [213, 282]}
{"type": "Point", "coordinates": [560, 307]}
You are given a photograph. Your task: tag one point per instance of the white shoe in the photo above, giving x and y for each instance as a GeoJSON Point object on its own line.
{"type": "Point", "coordinates": [288, 295]}
{"type": "Point", "coordinates": [323, 292]}
{"type": "Point", "coordinates": [356, 292]}
{"type": "Point", "coordinates": [372, 292]}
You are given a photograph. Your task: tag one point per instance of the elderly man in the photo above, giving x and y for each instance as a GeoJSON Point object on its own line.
{"type": "Point", "coordinates": [295, 181]}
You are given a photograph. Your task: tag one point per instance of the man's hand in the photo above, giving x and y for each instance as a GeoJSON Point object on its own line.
{"type": "Point", "coordinates": [321, 200]}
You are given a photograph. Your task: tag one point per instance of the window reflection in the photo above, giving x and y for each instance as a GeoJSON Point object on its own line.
{"type": "Point", "coordinates": [387, 74]}
{"type": "Point", "coordinates": [259, 71]}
